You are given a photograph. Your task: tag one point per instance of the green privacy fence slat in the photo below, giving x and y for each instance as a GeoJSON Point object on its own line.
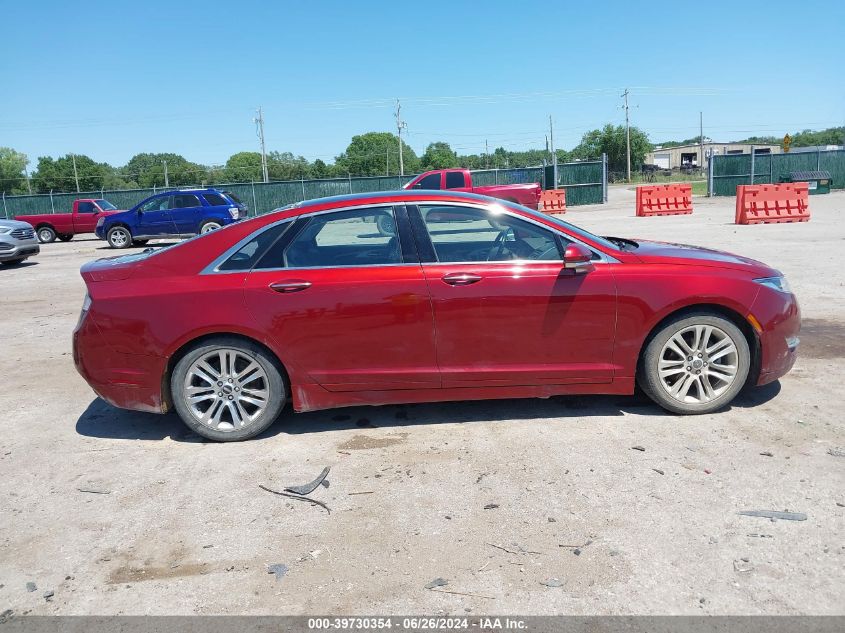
{"type": "Point", "coordinates": [732, 170]}
{"type": "Point", "coordinates": [583, 182]}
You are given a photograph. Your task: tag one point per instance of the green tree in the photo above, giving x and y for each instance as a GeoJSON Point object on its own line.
{"type": "Point", "coordinates": [286, 166]}
{"type": "Point", "coordinates": [58, 174]}
{"type": "Point", "coordinates": [375, 154]}
{"type": "Point", "coordinates": [148, 170]}
{"type": "Point", "coordinates": [320, 170]}
{"type": "Point", "coordinates": [610, 140]}
{"type": "Point", "coordinates": [439, 155]}
{"type": "Point", "coordinates": [12, 166]}
{"type": "Point", "coordinates": [243, 167]}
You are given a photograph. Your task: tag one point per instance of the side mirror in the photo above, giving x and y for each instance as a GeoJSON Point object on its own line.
{"type": "Point", "coordinates": [577, 258]}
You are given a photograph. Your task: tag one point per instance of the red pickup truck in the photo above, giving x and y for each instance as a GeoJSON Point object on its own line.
{"type": "Point", "coordinates": [461, 180]}
{"type": "Point", "coordinates": [83, 219]}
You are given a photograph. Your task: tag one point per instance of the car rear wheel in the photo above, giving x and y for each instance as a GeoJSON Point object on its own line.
{"type": "Point", "coordinates": [119, 237]}
{"type": "Point", "coordinates": [209, 225]}
{"type": "Point", "coordinates": [695, 364]}
{"type": "Point", "coordinates": [228, 389]}
{"type": "Point", "coordinates": [65, 237]}
{"type": "Point", "coordinates": [46, 234]}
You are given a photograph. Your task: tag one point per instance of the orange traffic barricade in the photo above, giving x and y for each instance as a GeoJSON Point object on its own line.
{"type": "Point", "coordinates": [553, 201]}
{"type": "Point", "coordinates": [664, 200]}
{"type": "Point", "coordinates": [762, 204]}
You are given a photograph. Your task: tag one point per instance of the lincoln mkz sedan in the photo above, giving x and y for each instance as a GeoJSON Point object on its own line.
{"type": "Point", "coordinates": [423, 297]}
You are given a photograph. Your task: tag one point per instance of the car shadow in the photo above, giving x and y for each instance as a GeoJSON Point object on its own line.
{"type": "Point", "coordinates": [137, 247]}
{"type": "Point", "coordinates": [24, 264]}
{"type": "Point", "coordinates": [104, 421]}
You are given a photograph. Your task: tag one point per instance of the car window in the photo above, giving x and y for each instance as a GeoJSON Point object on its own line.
{"type": "Point", "coordinates": [248, 255]}
{"type": "Point", "coordinates": [85, 207]}
{"type": "Point", "coordinates": [363, 237]}
{"type": "Point", "coordinates": [455, 180]}
{"type": "Point", "coordinates": [156, 204]}
{"type": "Point", "coordinates": [233, 197]}
{"type": "Point", "coordinates": [185, 201]}
{"type": "Point", "coordinates": [463, 234]}
{"type": "Point", "coordinates": [432, 181]}
{"type": "Point", "coordinates": [215, 199]}
{"type": "Point", "coordinates": [105, 205]}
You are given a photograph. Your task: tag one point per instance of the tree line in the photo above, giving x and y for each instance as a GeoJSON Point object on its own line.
{"type": "Point", "coordinates": [369, 154]}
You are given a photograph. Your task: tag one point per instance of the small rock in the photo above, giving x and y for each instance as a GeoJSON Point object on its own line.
{"type": "Point", "coordinates": [278, 569]}
{"type": "Point", "coordinates": [491, 506]}
{"type": "Point", "coordinates": [552, 582]}
{"type": "Point", "coordinates": [713, 540]}
{"type": "Point", "coordinates": [658, 471]}
{"type": "Point", "coordinates": [437, 582]}
{"type": "Point", "coordinates": [767, 454]}
{"type": "Point", "coordinates": [614, 552]}
{"type": "Point", "coordinates": [743, 566]}
{"type": "Point", "coordinates": [48, 595]}
{"type": "Point", "coordinates": [577, 551]}
{"type": "Point", "coordinates": [207, 546]}
{"type": "Point", "coordinates": [552, 520]}
{"type": "Point", "coordinates": [840, 504]}
{"type": "Point", "coordinates": [448, 516]}
{"type": "Point", "coordinates": [702, 600]}
{"type": "Point", "coordinates": [637, 448]}
{"type": "Point", "coordinates": [31, 586]}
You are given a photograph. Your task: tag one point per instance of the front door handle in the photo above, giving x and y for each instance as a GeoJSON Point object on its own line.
{"type": "Point", "coordinates": [287, 287]}
{"type": "Point", "coordinates": [460, 279]}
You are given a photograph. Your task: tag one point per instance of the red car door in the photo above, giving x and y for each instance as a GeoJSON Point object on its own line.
{"type": "Point", "coordinates": [85, 217]}
{"type": "Point", "coordinates": [505, 310]}
{"type": "Point", "coordinates": [347, 304]}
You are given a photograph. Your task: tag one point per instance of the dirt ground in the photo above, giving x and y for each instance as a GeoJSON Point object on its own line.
{"type": "Point", "coordinates": [118, 512]}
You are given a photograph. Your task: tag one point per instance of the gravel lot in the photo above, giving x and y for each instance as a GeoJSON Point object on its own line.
{"type": "Point", "coordinates": [127, 513]}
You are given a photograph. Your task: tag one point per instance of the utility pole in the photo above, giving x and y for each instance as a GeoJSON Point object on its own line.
{"type": "Point", "coordinates": [486, 155]}
{"type": "Point", "coordinates": [259, 129]}
{"type": "Point", "coordinates": [627, 135]}
{"type": "Point", "coordinates": [28, 182]}
{"type": "Point", "coordinates": [387, 163]}
{"type": "Point", "coordinates": [701, 141]}
{"type": "Point", "coordinates": [75, 174]}
{"type": "Point", "coordinates": [554, 153]}
{"type": "Point", "coordinates": [166, 179]}
{"type": "Point", "coordinates": [399, 125]}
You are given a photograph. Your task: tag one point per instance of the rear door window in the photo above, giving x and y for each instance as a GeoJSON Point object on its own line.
{"type": "Point", "coordinates": [185, 201]}
{"type": "Point", "coordinates": [215, 200]}
{"type": "Point", "coordinates": [248, 255]}
{"type": "Point", "coordinates": [455, 180]}
{"type": "Point", "coordinates": [432, 181]}
{"type": "Point", "coordinates": [360, 237]}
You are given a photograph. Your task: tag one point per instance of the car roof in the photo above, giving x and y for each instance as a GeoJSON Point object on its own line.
{"type": "Point", "coordinates": [402, 195]}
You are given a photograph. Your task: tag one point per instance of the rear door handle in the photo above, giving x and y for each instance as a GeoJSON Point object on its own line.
{"type": "Point", "coordinates": [460, 279]}
{"type": "Point", "coordinates": [287, 287]}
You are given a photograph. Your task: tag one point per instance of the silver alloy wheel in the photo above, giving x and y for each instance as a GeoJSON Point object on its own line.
{"type": "Point", "coordinates": [119, 237]}
{"type": "Point", "coordinates": [209, 226]}
{"type": "Point", "coordinates": [45, 235]}
{"type": "Point", "coordinates": [226, 389]}
{"type": "Point", "coordinates": [698, 364]}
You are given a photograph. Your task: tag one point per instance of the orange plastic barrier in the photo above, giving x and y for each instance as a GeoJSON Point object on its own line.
{"type": "Point", "coordinates": [759, 204]}
{"type": "Point", "coordinates": [664, 200]}
{"type": "Point", "coordinates": [553, 201]}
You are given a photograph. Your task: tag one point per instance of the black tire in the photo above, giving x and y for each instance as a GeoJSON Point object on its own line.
{"type": "Point", "coordinates": [276, 388]}
{"type": "Point", "coordinates": [648, 373]}
{"type": "Point", "coordinates": [386, 225]}
{"type": "Point", "coordinates": [13, 262]}
{"type": "Point", "coordinates": [46, 234]}
{"type": "Point", "coordinates": [210, 225]}
{"type": "Point", "coordinates": [139, 242]}
{"type": "Point", "coordinates": [65, 237]}
{"type": "Point", "coordinates": [119, 237]}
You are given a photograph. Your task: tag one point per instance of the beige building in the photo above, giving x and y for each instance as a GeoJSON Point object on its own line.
{"type": "Point", "coordinates": [691, 155]}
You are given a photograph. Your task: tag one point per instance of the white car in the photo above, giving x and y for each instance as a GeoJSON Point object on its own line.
{"type": "Point", "coordinates": [17, 242]}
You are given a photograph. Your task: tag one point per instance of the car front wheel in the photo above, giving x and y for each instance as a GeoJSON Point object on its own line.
{"type": "Point", "coordinates": [695, 364]}
{"type": "Point", "coordinates": [119, 237]}
{"type": "Point", "coordinates": [227, 389]}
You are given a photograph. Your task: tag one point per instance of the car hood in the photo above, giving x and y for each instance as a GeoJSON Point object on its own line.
{"type": "Point", "coordinates": [14, 224]}
{"type": "Point", "coordinates": [684, 254]}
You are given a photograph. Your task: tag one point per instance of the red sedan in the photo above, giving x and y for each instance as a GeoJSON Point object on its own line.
{"type": "Point", "coordinates": [422, 297]}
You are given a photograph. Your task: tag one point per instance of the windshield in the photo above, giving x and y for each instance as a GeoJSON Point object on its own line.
{"type": "Point", "coordinates": [105, 205]}
{"type": "Point", "coordinates": [571, 228]}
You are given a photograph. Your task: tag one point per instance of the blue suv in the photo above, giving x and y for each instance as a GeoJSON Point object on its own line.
{"type": "Point", "coordinates": [172, 214]}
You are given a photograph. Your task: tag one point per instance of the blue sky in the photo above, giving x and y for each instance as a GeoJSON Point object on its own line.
{"type": "Point", "coordinates": [114, 79]}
